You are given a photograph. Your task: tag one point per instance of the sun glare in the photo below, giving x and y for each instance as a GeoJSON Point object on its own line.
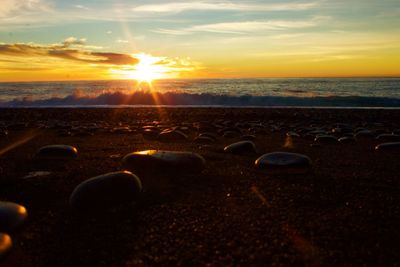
{"type": "Point", "coordinates": [148, 69]}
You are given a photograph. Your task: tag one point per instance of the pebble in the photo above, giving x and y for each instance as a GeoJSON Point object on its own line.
{"type": "Point", "coordinates": [164, 161]}
{"type": "Point", "coordinates": [388, 138]}
{"type": "Point", "coordinates": [57, 152]}
{"type": "Point", "coordinates": [230, 134]}
{"type": "Point", "coordinates": [172, 135]}
{"type": "Point", "coordinates": [105, 191]}
{"type": "Point", "coordinates": [248, 137]}
{"type": "Point", "coordinates": [150, 134]}
{"type": "Point", "coordinates": [292, 134]}
{"type": "Point", "coordinates": [364, 134]}
{"type": "Point", "coordinates": [283, 160]}
{"type": "Point", "coordinates": [347, 140]}
{"type": "Point", "coordinates": [5, 244]}
{"type": "Point", "coordinates": [394, 146]}
{"type": "Point", "coordinates": [241, 147]}
{"type": "Point", "coordinates": [12, 215]}
{"type": "Point", "coordinates": [325, 139]}
{"type": "Point", "coordinates": [204, 140]}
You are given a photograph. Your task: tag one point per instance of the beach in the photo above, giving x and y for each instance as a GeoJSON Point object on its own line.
{"type": "Point", "coordinates": [342, 210]}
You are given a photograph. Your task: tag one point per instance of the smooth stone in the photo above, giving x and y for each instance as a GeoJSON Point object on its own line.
{"type": "Point", "coordinates": [208, 134]}
{"type": "Point", "coordinates": [364, 134]}
{"type": "Point", "coordinates": [37, 174]}
{"type": "Point", "coordinates": [82, 133]}
{"type": "Point", "coordinates": [394, 146]}
{"type": "Point", "coordinates": [57, 152]}
{"type": "Point", "coordinates": [164, 161]}
{"type": "Point", "coordinates": [248, 137]}
{"type": "Point", "coordinates": [230, 134]}
{"type": "Point", "coordinates": [241, 147]}
{"type": "Point", "coordinates": [388, 138]}
{"type": "Point", "coordinates": [283, 160]}
{"type": "Point", "coordinates": [325, 139]}
{"type": "Point", "coordinates": [150, 134]}
{"type": "Point", "coordinates": [292, 134]}
{"type": "Point", "coordinates": [12, 215]}
{"type": "Point", "coordinates": [347, 140]}
{"type": "Point", "coordinates": [5, 244]}
{"type": "Point", "coordinates": [106, 190]}
{"type": "Point", "coordinates": [204, 140]}
{"type": "Point", "coordinates": [231, 129]}
{"type": "Point", "coordinates": [121, 130]}
{"type": "Point", "coordinates": [172, 135]}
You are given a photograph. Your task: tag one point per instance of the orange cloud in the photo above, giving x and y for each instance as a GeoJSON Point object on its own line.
{"type": "Point", "coordinates": [70, 49]}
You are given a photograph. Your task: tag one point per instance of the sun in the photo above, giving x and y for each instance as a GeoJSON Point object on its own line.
{"type": "Point", "coordinates": [148, 69]}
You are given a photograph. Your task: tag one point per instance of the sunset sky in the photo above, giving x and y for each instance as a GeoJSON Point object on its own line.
{"type": "Point", "coordinates": [121, 39]}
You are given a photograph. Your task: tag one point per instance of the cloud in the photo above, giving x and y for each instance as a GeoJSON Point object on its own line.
{"type": "Point", "coordinates": [10, 8]}
{"type": "Point", "coordinates": [121, 41]}
{"type": "Point", "coordinates": [242, 27]}
{"type": "Point", "coordinates": [178, 7]}
{"type": "Point", "coordinates": [74, 41]}
{"type": "Point", "coordinates": [70, 49]}
{"type": "Point", "coordinates": [81, 7]}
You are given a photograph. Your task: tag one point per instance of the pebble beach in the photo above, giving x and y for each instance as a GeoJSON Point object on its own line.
{"type": "Point", "coordinates": [199, 187]}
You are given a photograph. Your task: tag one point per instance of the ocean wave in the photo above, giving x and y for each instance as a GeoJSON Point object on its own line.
{"type": "Point", "coordinates": [139, 98]}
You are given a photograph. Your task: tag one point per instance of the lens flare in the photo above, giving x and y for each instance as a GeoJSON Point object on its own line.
{"type": "Point", "coordinates": [148, 69]}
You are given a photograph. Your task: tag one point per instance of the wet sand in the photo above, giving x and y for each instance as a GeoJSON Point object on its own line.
{"type": "Point", "coordinates": [344, 211]}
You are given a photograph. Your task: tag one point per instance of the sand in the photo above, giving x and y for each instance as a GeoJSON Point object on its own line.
{"type": "Point", "coordinates": [345, 211]}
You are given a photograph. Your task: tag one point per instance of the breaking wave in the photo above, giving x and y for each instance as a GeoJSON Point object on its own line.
{"type": "Point", "coordinates": [139, 98]}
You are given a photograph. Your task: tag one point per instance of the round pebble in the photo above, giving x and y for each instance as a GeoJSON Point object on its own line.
{"type": "Point", "coordinates": [164, 161]}
{"type": "Point", "coordinates": [347, 140]}
{"type": "Point", "coordinates": [5, 244]}
{"type": "Point", "coordinates": [204, 140]}
{"type": "Point", "coordinates": [248, 137]}
{"type": "Point", "coordinates": [172, 135]}
{"type": "Point", "coordinates": [57, 152]}
{"type": "Point", "coordinates": [283, 160]}
{"type": "Point", "coordinates": [325, 139]}
{"type": "Point", "coordinates": [105, 191]}
{"type": "Point", "coordinates": [394, 146]}
{"type": "Point", "coordinates": [241, 147]}
{"type": "Point", "coordinates": [388, 138]}
{"type": "Point", "coordinates": [12, 215]}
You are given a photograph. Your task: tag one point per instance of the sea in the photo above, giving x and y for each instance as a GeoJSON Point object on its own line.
{"type": "Point", "coordinates": [254, 92]}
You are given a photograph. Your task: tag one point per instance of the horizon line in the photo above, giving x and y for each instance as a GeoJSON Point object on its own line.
{"type": "Point", "coordinates": [220, 78]}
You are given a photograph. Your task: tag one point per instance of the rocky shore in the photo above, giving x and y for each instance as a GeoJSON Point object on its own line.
{"type": "Point", "coordinates": [199, 187]}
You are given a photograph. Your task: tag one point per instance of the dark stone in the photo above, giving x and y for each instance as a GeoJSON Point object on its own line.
{"type": "Point", "coordinates": [347, 140]}
{"type": "Point", "coordinates": [57, 152]}
{"type": "Point", "coordinates": [150, 134]}
{"type": "Point", "coordinates": [208, 134]}
{"type": "Point", "coordinates": [241, 147]}
{"type": "Point", "coordinates": [230, 134]}
{"type": "Point", "coordinates": [283, 161]}
{"type": "Point", "coordinates": [164, 161]}
{"type": "Point", "coordinates": [364, 134]}
{"type": "Point", "coordinates": [394, 146]}
{"type": "Point", "coordinates": [105, 191]}
{"type": "Point", "coordinates": [172, 135]}
{"type": "Point", "coordinates": [121, 130]}
{"type": "Point", "coordinates": [5, 244]}
{"type": "Point", "coordinates": [248, 137]}
{"type": "Point", "coordinates": [325, 139]}
{"type": "Point", "coordinates": [292, 134]}
{"type": "Point", "coordinates": [12, 216]}
{"type": "Point", "coordinates": [388, 138]}
{"type": "Point", "coordinates": [204, 140]}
